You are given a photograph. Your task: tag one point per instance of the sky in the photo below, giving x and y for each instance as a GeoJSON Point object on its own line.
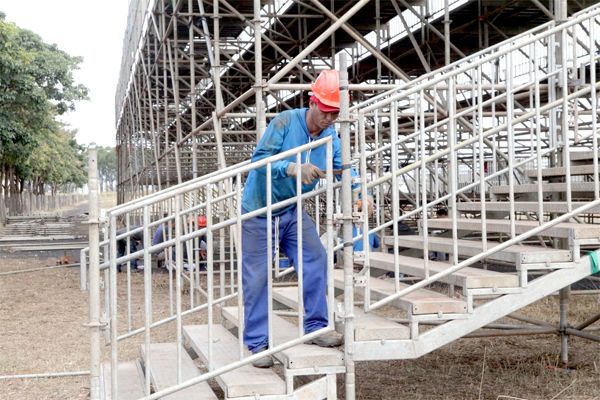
{"type": "Point", "coordinates": [93, 30]}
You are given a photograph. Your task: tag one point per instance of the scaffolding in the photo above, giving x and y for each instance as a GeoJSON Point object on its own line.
{"type": "Point", "coordinates": [200, 79]}
{"type": "Point", "coordinates": [463, 105]}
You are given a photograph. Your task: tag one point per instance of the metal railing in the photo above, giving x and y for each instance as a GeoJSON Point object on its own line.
{"type": "Point", "coordinates": [218, 197]}
{"type": "Point", "coordinates": [476, 115]}
{"type": "Point", "coordinates": [481, 115]}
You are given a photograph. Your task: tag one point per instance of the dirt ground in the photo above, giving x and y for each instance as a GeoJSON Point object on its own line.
{"type": "Point", "coordinates": [42, 317]}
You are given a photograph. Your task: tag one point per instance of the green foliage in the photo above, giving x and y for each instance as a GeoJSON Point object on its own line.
{"type": "Point", "coordinates": [107, 167]}
{"type": "Point", "coordinates": [57, 160]}
{"type": "Point", "coordinates": [36, 85]}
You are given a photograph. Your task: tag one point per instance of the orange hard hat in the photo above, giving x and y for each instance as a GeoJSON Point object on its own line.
{"type": "Point", "coordinates": [327, 88]}
{"type": "Point", "coordinates": [201, 221]}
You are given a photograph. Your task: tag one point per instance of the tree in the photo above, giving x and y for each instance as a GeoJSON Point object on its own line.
{"type": "Point", "coordinates": [56, 160]}
{"type": "Point", "coordinates": [107, 168]}
{"type": "Point", "coordinates": [36, 85]}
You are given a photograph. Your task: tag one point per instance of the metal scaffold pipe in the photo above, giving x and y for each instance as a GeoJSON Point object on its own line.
{"type": "Point", "coordinates": [347, 232]}
{"type": "Point", "coordinates": [94, 274]}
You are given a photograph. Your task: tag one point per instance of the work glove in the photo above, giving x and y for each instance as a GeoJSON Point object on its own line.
{"type": "Point", "coordinates": [370, 206]}
{"type": "Point", "coordinates": [308, 172]}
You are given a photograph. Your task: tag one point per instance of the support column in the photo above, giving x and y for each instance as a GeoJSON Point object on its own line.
{"type": "Point", "coordinates": [560, 13]}
{"type": "Point", "coordinates": [94, 285]}
{"type": "Point", "coordinates": [347, 233]}
{"type": "Point", "coordinates": [446, 33]}
{"type": "Point", "coordinates": [260, 106]}
{"type": "Point", "coordinates": [565, 294]}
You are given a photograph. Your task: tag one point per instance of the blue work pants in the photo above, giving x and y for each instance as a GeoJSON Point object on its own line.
{"type": "Point", "coordinates": [255, 270]}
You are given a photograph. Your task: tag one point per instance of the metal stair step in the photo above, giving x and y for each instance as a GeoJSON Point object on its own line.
{"type": "Point", "coordinates": [163, 372]}
{"type": "Point", "coordinates": [562, 230]}
{"type": "Point", "coordinates": [582, 155]}
{"type": "Point", "coordinates": [516, 254]}
{"type": "Point", "coordinates": [561, 171]}
{"type": "Point", "coordinates": [300, 356]}
{"type": "Point", "coordinates": [559, 207]}
{"type": "Point", "coordinates": [243, 381]}
{"type": "Point", "coordinates": [421, 301]}
{"type": "Point", "coordinates": [467, 277]}
{"type": "Point", "coordinates": [482, 315]}
{"type": "Point", "coordinates": [367, 326]}
{"type": "Point", "coordinates": [130, 381]}
{"type": "Point", "coordinates": [582, 187]}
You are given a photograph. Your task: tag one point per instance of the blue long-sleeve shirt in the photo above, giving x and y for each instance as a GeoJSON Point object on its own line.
{"type": "Point", "coordinates": [286, 131]}
{"type": "Point", "coordinates": [358, 246]}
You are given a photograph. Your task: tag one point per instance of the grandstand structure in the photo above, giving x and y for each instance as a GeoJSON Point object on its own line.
{"type": "Point", "coordinates": [487, 109]}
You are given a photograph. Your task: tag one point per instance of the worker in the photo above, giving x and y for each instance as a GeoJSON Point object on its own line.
{"type": "Point", "coordinates": [160, 235]}
{"type": "Point", "coordinates": [134, 239]}
{"type": "Point", "coordinates": [288, 130]}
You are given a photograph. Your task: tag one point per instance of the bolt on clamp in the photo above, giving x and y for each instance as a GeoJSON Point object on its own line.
{"type": "Point", "coordinates": [339, 218]}
{"type": "Point", "coordinates": [360, 280]}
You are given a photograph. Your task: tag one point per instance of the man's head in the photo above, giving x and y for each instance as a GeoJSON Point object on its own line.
{"type": "Point", "coordinates": [201, 221]}
{"type": "Point", "coordinates": [324, 101]}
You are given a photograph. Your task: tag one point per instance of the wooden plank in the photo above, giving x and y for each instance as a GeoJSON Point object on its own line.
{"type": "Point", "coordinates": [517, 254]}
{"type": "Point", "coordinates": [243, 381]}
{"type": "Point", "coordinates": [523, 206]}
{"type": "Point", "coordinates": [163, 372]}
{"type": "Point", "coordinates": [300, 356]}
{"type": "Point", "coordinates": [421, 301]}
{"type": "Point", "coordinates": [584, 187]}
{"type": "Point", "coordinates": [130, 381]}
{"type": "Point", "coordinates": [367, 326]}
{"type": "Point", "coordinates": [561, 230]}
{"type": "Point", "coordinates": [467, 277]}
{"type": "Point", "coordinates": [561, 171]}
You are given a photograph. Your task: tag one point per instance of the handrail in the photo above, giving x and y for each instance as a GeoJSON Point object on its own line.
{"type": "Point", "coordinates": [213, 178]}
{"type": "Point", "coordinates": [471, 260]}
{"type": "Point", "coordinates": [410, 93]}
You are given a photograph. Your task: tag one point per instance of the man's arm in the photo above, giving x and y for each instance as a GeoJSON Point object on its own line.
{"type": "Point", "coordinates": [271, 143]}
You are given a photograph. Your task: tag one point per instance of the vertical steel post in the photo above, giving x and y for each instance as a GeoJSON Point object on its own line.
{"type": "Point", "coordinates": [347, 232]}
{"type": "Point", "coordinates": [300, 258]}
{"type": "Point", "coordinates": [258, 88]}
{"type": "Point", "coordinates": [192, 67]}
{"type": "Point", "coordinates": [94, 275]}
{"type": "Point", "coordinates": [560, 12]}
{"type": "Point", "coordinates": [564, 324]}
{"type": "Point", "coordinates": [148, 298]}
{"type": "Point", "coordinates": [82, 270]}
{"type": "Point", "coordinates": [112, 273]}
{"type": "Point", "coordinates": [446, 32]}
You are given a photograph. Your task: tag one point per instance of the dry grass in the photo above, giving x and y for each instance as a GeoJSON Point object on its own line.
{"type": "Point", "coordinates": [42, 317]}
{"type": "Point", "coordinates": [41, 330]}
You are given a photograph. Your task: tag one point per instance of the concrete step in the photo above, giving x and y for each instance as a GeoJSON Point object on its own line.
{"type": "Point", "coordinates": [367, 326]}
{"type": "Point", "coordinates": [563, 230]}
{"type": "Point", "coordinates": [561, 171]}
{"type": "Point", "coordinates": [421, 301]}
{"type": "Point", "coordinates": [130, 381]}
{"type": "Point", "coordinates": [163, 372]}
{"type": "Point", "coordinates": [559, 207]}
{"type": "Point", "coordinates": [300, 356]}
{"type": "Point", "coordinates": [243, 381]}
{"type": "Point", "coordinates": [468, 277]}
{"type": "Point", "coordinates": [576, 187]}
{"type": "Point", "coordinates": [517, 254]}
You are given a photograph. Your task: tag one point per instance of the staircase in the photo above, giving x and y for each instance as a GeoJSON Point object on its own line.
{"type": "Point", "coordinates": [494, 145]}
